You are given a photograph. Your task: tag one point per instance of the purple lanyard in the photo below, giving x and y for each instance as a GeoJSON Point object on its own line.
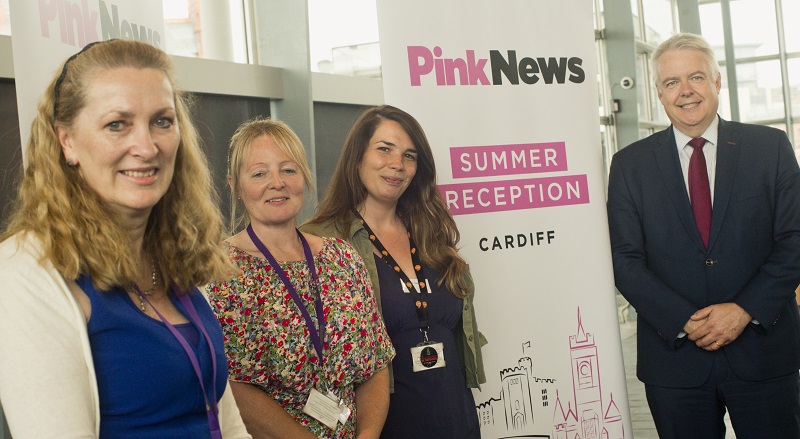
{"type": "Point", "coordinates": [211, 407]}
{"type": "Point", "coordinates": [317, 334]}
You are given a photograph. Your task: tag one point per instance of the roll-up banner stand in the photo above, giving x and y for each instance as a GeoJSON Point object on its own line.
{"type": "Point", "coordinates": [507, 94]}
{"type": "Point", "coordinates": [46, 32]}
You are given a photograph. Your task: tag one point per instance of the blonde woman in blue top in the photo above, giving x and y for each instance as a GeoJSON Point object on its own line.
{"type": "Point", "coordinates": [102, 331]}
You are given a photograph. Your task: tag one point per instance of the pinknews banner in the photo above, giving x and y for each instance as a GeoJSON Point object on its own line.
{"type": "Point", "coordinates": [46, 32]}
{"type": "Point", "coordinates": [506, 92]}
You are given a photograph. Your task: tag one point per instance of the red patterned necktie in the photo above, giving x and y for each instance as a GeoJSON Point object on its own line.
{"type": "Point", "coordinates": [699, 190]}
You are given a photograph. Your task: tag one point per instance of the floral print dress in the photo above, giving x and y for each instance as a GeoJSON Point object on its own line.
{"type": "Point", "coordinates": [267, 341]}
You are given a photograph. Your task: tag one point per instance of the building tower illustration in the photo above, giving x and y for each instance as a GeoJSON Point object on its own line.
{"type": "Point", "coordinates": [578, 413]}
{"type": "Point", "coordinates": [586, 382]}
{"type": "Point", "coordinates": [517, 395]}
{"type": "Point", "coordinates": [585, 415]}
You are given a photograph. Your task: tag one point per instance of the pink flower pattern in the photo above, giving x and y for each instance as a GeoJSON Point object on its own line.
{"type": "Point", "coordinates": [267, 341]}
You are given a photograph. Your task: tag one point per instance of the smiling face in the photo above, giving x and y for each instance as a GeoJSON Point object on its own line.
{"type": "Point", "coordinates": [687, 90]}
{"type": "Point", "coordinates": [389, 163]}
{"type": "Point", "coordinates": [271, 185]}
{"type": "Point", "coordinates": [124, 140]}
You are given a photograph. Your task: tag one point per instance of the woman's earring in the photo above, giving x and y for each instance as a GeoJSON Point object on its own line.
{"type": "Point", "coordinates": [69, 163]}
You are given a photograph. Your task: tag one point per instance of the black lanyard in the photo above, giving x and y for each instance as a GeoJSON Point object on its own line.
{"type": "Point", "coordinates": [420, 303]}
{"type": "Point", "coordinates": [317, 334]}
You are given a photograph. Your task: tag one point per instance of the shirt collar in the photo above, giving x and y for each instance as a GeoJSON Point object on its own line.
{"type": "Point", "coordinates": [711, 134]}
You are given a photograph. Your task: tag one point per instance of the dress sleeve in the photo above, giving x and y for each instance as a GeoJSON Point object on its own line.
{"type": "Point", "coordinates": [232, 300]}
{"type": "Point", "coordinates": [374, 343]}
{"type": "Point", "coordinates": [46, 381]}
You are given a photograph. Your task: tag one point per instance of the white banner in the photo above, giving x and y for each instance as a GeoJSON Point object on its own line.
{"type": "Point", "coordinates": [507, 94]}
{"type": "Point", "coordinates": [46, 32]}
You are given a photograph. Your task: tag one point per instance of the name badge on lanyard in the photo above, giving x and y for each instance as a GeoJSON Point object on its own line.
{"type": "Point", "coordinates": [429, 354]}
{"type": "Point", "coordinates": [327, 409]}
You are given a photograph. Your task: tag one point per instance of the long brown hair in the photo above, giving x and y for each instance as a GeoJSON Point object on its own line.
{"type": "Point", "coordinates": [77, 232]}
{"type": "Point", "coordinates": [420, 207]}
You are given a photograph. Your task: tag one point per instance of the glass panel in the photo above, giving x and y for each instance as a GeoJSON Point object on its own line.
{"type": "Point", "coordinates": [791, 10]}
{"type": "Point", "coordinates": [603, 91]}
{"type": "Point", "coordinates": [793, 67]}
{"type": "Point", "coordinates": [725, 96]}
{"type": "Point", "coordinates": [343, 31]}
{"type": "Point", "coordinates": [754, 28]}
{"type": "Point", "coordinates": [357, 60]}
{"type": "Point", "coordinates": [642, 85]}
{"type": "Point", "coordinates": [211, 29]}
{"type": "Point", "coordinates": [657, 20]}
{"type": "Point", "coordinates": [637, 29]}
{"type": "Point", "coordinates": [659, 115]}
{"type": "Point", "coordinates": [5, 23]}
{"type": "Point", "coordinates": [760, 91]}
{"type": "Point", "coordinates": [179, 29]}
{"type": "Point", "coordinates": [711, 25]}
{"type": "Point", "coordinates": [597, 8]}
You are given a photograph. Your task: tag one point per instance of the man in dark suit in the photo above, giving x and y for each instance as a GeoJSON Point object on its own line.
{"type": "Point", "coordinates": [705, 236]}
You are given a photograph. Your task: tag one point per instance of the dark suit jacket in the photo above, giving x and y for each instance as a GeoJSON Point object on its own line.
{"type": "Point", "coordinates": [753, 258]}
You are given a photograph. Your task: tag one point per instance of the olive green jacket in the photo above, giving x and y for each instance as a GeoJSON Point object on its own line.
{"type": "Point", "coordinates": [469, 340]}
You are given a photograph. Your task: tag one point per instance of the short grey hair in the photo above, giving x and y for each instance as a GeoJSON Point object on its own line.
{"type": "Point", "coordinates": [684, 41]}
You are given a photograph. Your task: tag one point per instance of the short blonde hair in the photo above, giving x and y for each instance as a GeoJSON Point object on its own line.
{"type": "Point", "coordinates": [78, 233]}
{"type": "Point", "coordinates": [239, 147]}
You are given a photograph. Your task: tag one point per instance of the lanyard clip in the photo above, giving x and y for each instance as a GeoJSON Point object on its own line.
{"type": "Point", "coordinates": [424, 335]}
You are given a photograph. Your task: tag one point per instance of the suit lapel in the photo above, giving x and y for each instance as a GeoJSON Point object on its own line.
{"type": "Point", "coordinates": [727, 159]}
{"type": "Point", "coordinates": [669, 164]}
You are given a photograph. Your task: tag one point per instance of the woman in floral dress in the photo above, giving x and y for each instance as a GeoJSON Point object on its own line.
{"type": "Point", "coordinates": [307, 349]}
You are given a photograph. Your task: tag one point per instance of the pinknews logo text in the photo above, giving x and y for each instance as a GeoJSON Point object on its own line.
{"type": "Point", "coordinates": [471, 70]}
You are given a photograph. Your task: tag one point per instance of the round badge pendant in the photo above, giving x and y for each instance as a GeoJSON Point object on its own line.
{"type": "Point", "coordinates": [428, 357]}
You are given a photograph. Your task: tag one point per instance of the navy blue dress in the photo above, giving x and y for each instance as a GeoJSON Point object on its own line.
{"type": "Point", "coordinates": [436, 403]}
{"type": "Point", "coordinates": [147, 386]}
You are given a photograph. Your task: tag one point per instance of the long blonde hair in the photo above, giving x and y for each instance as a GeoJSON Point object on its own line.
{"type": "Point", "coordinates": [78, 233]}
{"type": "Point", "coordinates": [421, 207]}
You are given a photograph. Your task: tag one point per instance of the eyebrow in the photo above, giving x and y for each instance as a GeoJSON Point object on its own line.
{"type": "Point", "coordinates": [696, 72]}
{"type": "Point", "coordinates": [128, 114]}
{"type": "Point", "coordinates": [386, 142]}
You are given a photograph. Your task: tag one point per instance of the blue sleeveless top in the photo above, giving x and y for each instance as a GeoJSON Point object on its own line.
{"type": "Point", "coordinates": [146, 383]}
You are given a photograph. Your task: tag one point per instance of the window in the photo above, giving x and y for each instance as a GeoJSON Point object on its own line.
{"type": "Point", "coordinates": [211, 29]}
{"type": "Point", "coordinates": [343, 35]}
{"type": "Point", "coordinates": [766, 76]}
{"type": "Point", "coordinates": [5, 22]}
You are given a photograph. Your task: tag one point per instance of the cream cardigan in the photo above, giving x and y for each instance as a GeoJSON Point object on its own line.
{"type": "Point", "coordinates": [47, 379]}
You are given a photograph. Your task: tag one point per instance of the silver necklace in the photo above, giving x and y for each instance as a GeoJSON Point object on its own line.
{"type": "Point", "coordinates": [149, 291]}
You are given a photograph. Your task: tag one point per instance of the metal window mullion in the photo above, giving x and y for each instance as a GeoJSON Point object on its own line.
{"type": "Point", "coordinates": [251, 32]}
{"type": "Point", "coordinates": [787, 102]}
{"type": "Point", "coordinates": [730, 56]}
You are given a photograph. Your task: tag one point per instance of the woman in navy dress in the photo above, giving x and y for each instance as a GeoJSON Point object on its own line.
{"type": "Point", "coordinates": [383, 199]}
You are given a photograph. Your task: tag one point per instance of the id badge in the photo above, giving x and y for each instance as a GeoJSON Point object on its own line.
{"type": "Point", "coordinates": [323, 408]}
{"type": "Point", "coordinates": [427, 356]}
